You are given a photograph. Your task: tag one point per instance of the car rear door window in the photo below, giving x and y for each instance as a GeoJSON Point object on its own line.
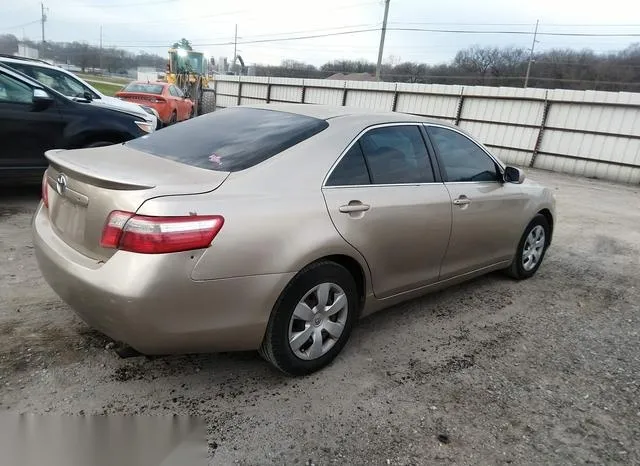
{"type": "Point", "coordinates": [351, 170]}
{"type": "Point", "coordinates": [230, 140]}
{"type": "Point", "coordinates": [396, 155]}
{"type": "Point", "coordinates": [173, 90]}
{"type": "Point", "coordinates": [462, 159]}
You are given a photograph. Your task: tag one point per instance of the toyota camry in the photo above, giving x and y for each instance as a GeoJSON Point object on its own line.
{"type": "Point", "coordinates": [277, 227]}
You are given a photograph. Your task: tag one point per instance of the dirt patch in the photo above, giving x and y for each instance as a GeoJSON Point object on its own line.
{"type": "Point", "coordinates": [125, 373]}
{"type": "Point", "coordinates": [494, 371]}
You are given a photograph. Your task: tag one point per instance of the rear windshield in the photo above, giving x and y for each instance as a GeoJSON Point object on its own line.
{"type": "Point", "coordinates": [146, 88]}
{"type": "Point", "coordinates": [230, 140]}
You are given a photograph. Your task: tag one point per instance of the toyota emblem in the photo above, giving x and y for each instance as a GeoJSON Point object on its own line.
{"type": "Point", "coordinates": [61, 183]}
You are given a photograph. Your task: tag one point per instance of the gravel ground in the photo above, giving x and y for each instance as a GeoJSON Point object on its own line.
{"type": "Point", "coordinates": [489, 372]}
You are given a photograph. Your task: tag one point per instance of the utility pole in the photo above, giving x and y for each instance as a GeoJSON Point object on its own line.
{"type": "Point", "coordinates": [101, 48]}
{"type": "Point", "coordinates": [533, 46]}
{"type": "Point", "coordinates": [384, 30]}
{"type": "Point", "coordinates": [43, 19]}
{"type": "Point", "coordinates": [235, 48]}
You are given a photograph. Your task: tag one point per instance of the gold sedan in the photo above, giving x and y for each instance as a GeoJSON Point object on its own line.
{"type": "Point", "coordinates": [277, 227]}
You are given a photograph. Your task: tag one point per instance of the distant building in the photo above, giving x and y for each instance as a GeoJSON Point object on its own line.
{"type": "Point", "coordinates": [147, 73]}
{"type": "Point", "coordinates": [69, 67]}
{"type": "Point", "coordinates": [352, 77]}
{"type": "Point", "coordinates": [222, 65]}
{"type": "Point", "coordinates": [28, 52]}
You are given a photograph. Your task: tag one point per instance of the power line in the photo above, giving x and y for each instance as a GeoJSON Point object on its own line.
{"type": "Point", "coordinates": [437, 23]}
{"type": "Point", "coordinates": [20, 25]}
{"type": "Point", "coordinates": [255, 36]}
{"type": "Point", "coordinates": [230, 42]}
{"type": "Point", "coordinates": [313, 36]}
{"type": "Point", "coordinates": [608, 65]}
{"type": "Point", "coordinates": [522, 33]}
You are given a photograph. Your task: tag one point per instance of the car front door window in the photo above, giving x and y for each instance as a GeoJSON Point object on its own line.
{"type": "Point", "coordinates": [13, 91]}
{"type": "Point", "coordinates": [462, 159]}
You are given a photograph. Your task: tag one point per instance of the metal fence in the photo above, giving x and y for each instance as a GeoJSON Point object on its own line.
{"type": "Point", "coordinates": [588, 133]}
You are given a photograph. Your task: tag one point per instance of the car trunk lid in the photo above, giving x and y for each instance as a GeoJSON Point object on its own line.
{"type": "Point", "coordinates": [86, 185]}
{"type": "Point", "coordinates": [140, 97]}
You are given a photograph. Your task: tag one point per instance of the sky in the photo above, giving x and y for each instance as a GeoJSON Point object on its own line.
{"type": "Point", "coordinates": [153, 25]}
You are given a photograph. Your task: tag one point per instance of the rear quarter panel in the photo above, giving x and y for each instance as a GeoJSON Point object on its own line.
{"type": "Point", "coordinates": [263, 233]}
{"type": "Point", "coordinates": [276, 220]}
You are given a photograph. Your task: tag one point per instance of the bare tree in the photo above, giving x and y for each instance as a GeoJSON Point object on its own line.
{"type": "Point", "coordinates": [8, 44]}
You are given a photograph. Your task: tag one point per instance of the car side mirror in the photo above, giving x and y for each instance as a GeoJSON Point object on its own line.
{"type": "Point", "coordinates": [41, 100]}
{"type": "Point", "coordinates": [513, 175]}
{"type": "Point", "coordinates": [88, 96]}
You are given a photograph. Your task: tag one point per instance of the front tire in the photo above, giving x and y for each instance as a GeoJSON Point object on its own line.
{"type": "Point", "coordinates": [312, 320]}
{"type": "Point", "coordinates": [531, 249]}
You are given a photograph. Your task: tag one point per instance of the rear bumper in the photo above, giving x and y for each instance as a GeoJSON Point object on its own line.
{"type": "Point", "coordinates": [151, 303]}
{"type": "Point", "coordinates": [163, 109]}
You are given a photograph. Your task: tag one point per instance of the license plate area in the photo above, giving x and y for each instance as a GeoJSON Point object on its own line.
{"type": "Point", "coordinates": [68, 216]}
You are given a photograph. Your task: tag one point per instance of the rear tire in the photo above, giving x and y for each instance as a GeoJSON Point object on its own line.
{"type": "Point", "coordinates": [312, 319]}
{"type": "Point", "coordinates": [208, 101]}
{"type": "Point", "coordinates": [174, 118]}
{"type": "Point", "coordinates": [531, 249]}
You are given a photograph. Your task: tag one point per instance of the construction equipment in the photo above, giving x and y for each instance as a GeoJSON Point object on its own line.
{"type": "Point", "coordinates": [188, 70]}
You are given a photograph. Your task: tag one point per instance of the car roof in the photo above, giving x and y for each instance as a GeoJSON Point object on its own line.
{"type": "Point", "coordinates": [30, 61]}
{"type": "Point", "coordinates": [19, 75]}
{"type": "Point", "coordinates": [17, 59]}
{"type": "Point", "coordinates": [329, 112]}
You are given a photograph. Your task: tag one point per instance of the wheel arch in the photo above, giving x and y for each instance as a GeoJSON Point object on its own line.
{"type": "Point", "coordinates": [546, 213]}
{"type": "Point", "coordinates": [90, 137]}
{"type": "Point", "coordinates": [355, 269]}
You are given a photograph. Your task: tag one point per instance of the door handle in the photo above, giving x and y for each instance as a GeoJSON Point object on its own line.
{"type": "Point", "coordinates": [462, 200]}
{"type": "Point", "coordinates": [350, 208]}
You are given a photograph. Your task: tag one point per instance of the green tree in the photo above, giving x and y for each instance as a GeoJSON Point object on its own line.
{"type": "Point", "coordinates": [182, 44]}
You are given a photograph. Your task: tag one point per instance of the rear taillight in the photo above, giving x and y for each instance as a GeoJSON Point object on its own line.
{"type": "Point", "coordinates": [45, 191]}
{"type": "Point", "coordinates": [157, 100]}
{"type": "Point", "coordinates": [157, 235]}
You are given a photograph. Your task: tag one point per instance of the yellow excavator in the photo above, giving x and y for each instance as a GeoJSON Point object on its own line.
{"type": "Point", "coordinates": [188, 70]}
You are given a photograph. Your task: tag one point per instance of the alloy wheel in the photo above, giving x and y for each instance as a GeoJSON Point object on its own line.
{"type": "Point", "coordinates": [533, 248]}
{"type": "Point", "coordinates": [318, 321]}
